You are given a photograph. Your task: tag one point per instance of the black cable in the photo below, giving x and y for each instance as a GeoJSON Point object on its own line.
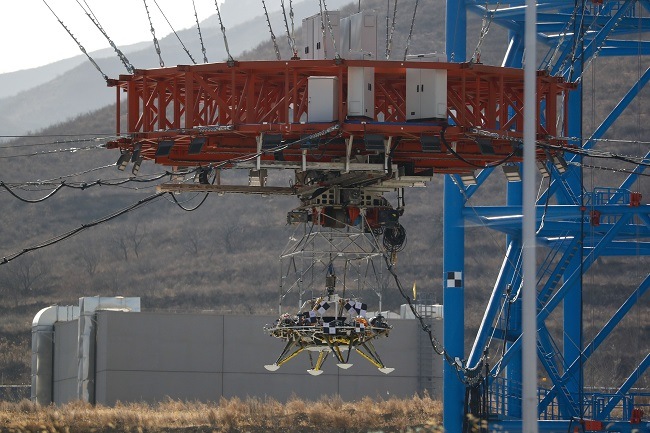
{"type": "Point", "coordinates": [190, 209]}
{"type": "Point", "coordinates": [79, 229]}
{"type": "Point", "coordinates": [76, 185]}
{"type": "Point", "coordinates": [395, 238]}
{"type": "Point", "coordinates": [470, 376]}
{"type": "Point", "coordinates": [50, 152]}
{"type": "Point", "coordinates": [78, 140]}
{"type": "Point", "coordinates": [470, 163]}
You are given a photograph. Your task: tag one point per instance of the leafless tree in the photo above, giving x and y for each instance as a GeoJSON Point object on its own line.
{"type": "Point", "coordinates": [22, 277]}
{"type": "Point", "coordinates": [91, 258]}
{"type": "Point", "coordinates": [121, 245]}
{"type": "Point", "coordinates": [137, 234]}
{"type": "Point", "coordinates": [194, 239]}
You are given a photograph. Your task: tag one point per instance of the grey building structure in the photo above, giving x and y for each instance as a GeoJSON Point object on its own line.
{"type": "Point", "coordinates": [107, 350]}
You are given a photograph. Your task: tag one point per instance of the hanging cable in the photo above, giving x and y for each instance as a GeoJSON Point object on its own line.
{"type": "Point", "coordinates": [74, 185]}
{"type": "Point", "coordinates": [329, 26]}
{"type": "Point", "coordinates": [290, 39]}
{"type": "Point", "coordinates": [153, 33]}
{"type": "Point", "coordinates": [322, 28]}
{"type": "Point", "coordinates": [469, 376]}
{"type": "Point", "coordinates": [291, 17]}
{"type": "Point", "coordinates": [176, 34]}
{"type": "Point", "coordinates": [408, 39]}
{"type": "Point", "coordinates": [79, 229]}
{"type": "Point", "coordinates": [389, 43]}
{"type": "Point", "coordinates": [470, 163]}
{"type": "Point", "coordinates": [223, 32]}
{"type": "Point", "coordinates": [50, 152]}
{"type": "Point", "coordinates": [50, 143]}
{"type": "Point", "coordinates": [485, 28]}
{"type": "Point", "coordinates": [198, 26]}
{"type": "Point", "coordinates": [268, 21]}
{"type": "Point", "coordinates": [551, 55]}
{"type": "Point", "coordinates": [83, 50]}
{"type": "Point", "coordinates": [89, 13]}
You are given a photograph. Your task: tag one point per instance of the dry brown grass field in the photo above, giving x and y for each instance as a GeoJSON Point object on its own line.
{"type": "Point", "coordinates": [329, 414]}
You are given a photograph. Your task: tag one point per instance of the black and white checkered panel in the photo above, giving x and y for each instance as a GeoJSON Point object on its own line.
{"type": "Point", "coordinates": [329, 327]}
{"type": "Point", "coordinates": [454, 279]}
{"type": "Point", "coordinates": [356, 308]}
{"type": "Point", "coordinates": [359, 327]}
{"type": "Point", "coordinates": [309, 316]}
{"type": "Point", "coordinates": [323, 307]}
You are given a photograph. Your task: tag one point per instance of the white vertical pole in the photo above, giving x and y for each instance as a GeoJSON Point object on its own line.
{"type": "Point", "coordinates": [529, 313]}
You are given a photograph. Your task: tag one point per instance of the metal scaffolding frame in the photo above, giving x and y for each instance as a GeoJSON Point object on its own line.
{"type": "Point", "coordinates": [617, 222]}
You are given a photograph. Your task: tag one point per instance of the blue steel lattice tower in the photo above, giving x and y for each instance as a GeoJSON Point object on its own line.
{"type": "Point", "coordinates": [617, 221]}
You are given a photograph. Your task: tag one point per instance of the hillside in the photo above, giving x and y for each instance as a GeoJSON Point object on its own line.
{"type": "Point", "coordinates": [224, 255]}
{"type": "Point", "coordinates": [59, 98]}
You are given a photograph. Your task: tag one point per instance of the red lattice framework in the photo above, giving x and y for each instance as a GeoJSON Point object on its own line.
{"type": "Point", "coordinates": [233, 105]}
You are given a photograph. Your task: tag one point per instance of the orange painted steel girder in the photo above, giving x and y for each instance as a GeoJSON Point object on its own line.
{"type": "Point", "coordinates": [232, 104]}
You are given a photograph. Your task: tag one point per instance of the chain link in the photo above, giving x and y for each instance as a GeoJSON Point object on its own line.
{"type": "Point", "coordinates": [81, 47]}
{"type": "Point", "coordinates": [89, 13]}
{"type": "Point", "coordinates": [485, 28]}
{"type": "Point", "coordinates": [329, 26]}
{"type": "Point", "coordinates": [389, 43]}
{"type": "Point", "coordinates": [290, 39]}
{"type": "Point", "coordinates": [408, 39]}
{"type": "Point", "coordinates": [223, 32]}
{"type": "Point", "coordinates": [268, 21]}
{"type": "Point", "coordinates": [198, 26]}
{"type": "Point", "coordinates": [153, 33]}
{"type": "Point", "coordinates": [176, 34]}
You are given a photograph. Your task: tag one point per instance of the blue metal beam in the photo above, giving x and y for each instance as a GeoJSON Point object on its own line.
{"type": "Point", "coordinates": [627, 385]}
{"type": "Point", "coordinates": [616, 112]}
{"type": "Point", "coordinates": [600, 337]}
{"type": "Point", "coordinates": [559, 294]}
{"type": "Point", "coordinates": [495, 304]}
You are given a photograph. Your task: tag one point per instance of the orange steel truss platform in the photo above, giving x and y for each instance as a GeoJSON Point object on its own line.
{"type": "Point", "coordinates": [230, 111]}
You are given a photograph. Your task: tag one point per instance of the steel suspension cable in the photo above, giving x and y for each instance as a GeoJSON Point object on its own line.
{"type": "Point", "coordinates": [268, 21]}
{"type": "Point", "coordinates": [91, 15]}
{"type": "Point", "coordinates": [329, 26]}
{"type": "Point", "coordinates": [223, 32]}
{"type": "Point", "coordinates": [408, 39]}
{"type": "Point", "coordinates": [198, 26]}
{"type": "Point", "coordinates": [81, 47]}
{"type": "Point", "coordinates": [290, 39]}
{"type": "Point", "coordinates": [153, 33]}
{"type": "Point", "coordinates": [389, 42]}
{"type": "Point", "coordinates": [485, 28]}
{"type": "Point", "coordinates": [176, 34]}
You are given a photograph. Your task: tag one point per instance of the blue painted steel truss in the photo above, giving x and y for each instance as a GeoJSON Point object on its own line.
{"type": "Point", "coordinates": [576, 227]}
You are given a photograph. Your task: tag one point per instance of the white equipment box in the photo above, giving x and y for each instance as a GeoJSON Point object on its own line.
{"type": "Point", "coordinates": [426, 94]}
{"type": "Point", "coordinates": [323, 102]}
{"type": "Point", "coordinates": [319, 46]}
{"type": "Point", "coordinates": [359, 36]}
{"type": "Point", "coordinates": [361, 92]}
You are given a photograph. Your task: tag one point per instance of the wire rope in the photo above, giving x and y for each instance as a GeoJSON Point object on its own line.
{"type": "Point", "coordinates": [81, 47]}
{"type": "Point", "coordinates": [91, 15]}
{"type": "Point", "coordinates": [389, 42]}
{"type": "Point", "coordinates": [290, 40]}
{"type": "Point", "coordinates": [156, 45]}
{"type": "Point", "coordinates": [223, 32]}
{"type": "Point", "coordinates": [83, 227]}
{"type": "Point", "coordinates": [176, 34]}
{"type": "Point", "coordinates": [198, 27]}
{"type": "Point", "coordinates": [408, 39]}
{"type": "Point", "coordinates": [268, 21]}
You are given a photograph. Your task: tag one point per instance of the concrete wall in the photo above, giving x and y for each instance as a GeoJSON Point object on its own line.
{"type": "Point", "coordinates": [65, 361]}
{"type": "Point", "coordinates": [150, 356]}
